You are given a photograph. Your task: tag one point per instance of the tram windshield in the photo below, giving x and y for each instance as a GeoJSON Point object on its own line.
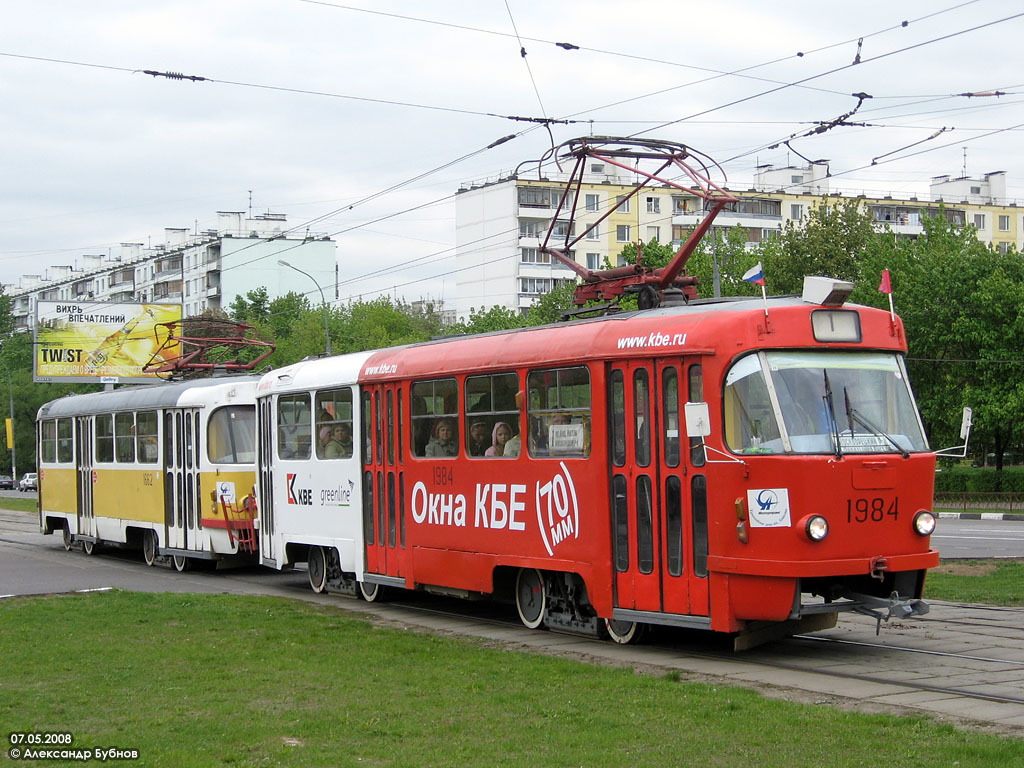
{"type": "Point", "coordinates": [821, 402]}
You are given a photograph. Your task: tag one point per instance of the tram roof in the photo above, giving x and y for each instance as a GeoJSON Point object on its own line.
{"type": "Point", "coordinates": [139, 397]}
{"type": "Point", "coordinates": [701, 327]}
{"type": "Point", "coordinates": [314, 374]}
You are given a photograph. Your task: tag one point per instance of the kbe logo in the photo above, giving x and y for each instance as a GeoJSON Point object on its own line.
{"type": "Point", "coordinates": [558, 513]}
{"type": "Point", "coordinates": [302, 496]}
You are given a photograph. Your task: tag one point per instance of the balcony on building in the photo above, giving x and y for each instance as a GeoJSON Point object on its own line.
{"type": "Point", "coordinates": [901, 219]}
{"type": "Point", "coordinates": [122, 278]}
{"type": "Point", "coordinates": [171, 264]}
{"type": "Point", "coordinates": [213, 283]}
{"type": "Point", "coordinates": [167, 289]}
{"type": "Point", "coordinates": [537, 202]}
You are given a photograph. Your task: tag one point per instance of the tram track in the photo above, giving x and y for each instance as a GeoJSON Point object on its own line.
{"type": "Point", "coordinates": [761, 660]}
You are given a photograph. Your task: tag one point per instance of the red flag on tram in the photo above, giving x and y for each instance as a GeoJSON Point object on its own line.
{"type": "Point", "coordinates": [886, 286]}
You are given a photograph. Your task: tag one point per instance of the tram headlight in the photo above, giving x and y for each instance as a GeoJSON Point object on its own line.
{"type": "Point", "coordinates": [924, 523]}
{"type": "Point", "coordinates": [816, 527]}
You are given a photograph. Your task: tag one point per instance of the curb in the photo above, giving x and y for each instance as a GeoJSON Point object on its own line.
{"type": "Point", "coordinates": [982, 515]}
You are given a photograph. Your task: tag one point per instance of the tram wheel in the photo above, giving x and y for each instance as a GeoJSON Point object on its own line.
{"type": "Point", "coordinates": [89, 547]}
{"type": "Point", "coordinates": [68, 539]}
{"type": "Point", "coordinates": [371, 592]}
{"type": "Point", "coordinates": [531, 597]}
{"type": "Point", "coordinates": [318, 569]}
{"type": "Point", "coordinates": [149, 547]}
{"type": "Point", "coordinates": [181, 563]}
{"type": "Point", "coordinates": [623, 632]}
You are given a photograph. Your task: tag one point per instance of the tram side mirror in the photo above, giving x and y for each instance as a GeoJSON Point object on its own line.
{"type": "Point", "coordinates": [960, 451]}
{"type": "Point", "coordinates": [966, 424]}
{"type": "Point", "coordinates": [698, 419]}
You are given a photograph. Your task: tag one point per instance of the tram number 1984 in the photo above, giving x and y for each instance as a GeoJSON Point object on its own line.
{"type": "Point", "coordinates": [871, 510]}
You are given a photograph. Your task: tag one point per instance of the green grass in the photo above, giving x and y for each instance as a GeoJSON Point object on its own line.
{"type": "Point", "coordinates": [221, 680]}
{"type": "Point", "coordinates": [993, 582]}
{"type": "Point", "coordinates": [27, 504]}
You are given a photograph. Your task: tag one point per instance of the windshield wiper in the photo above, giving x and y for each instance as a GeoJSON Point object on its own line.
{"type": "Point", "coordinates": [853, 414]}
{"type": "Point", "coordinates": [830, 410]}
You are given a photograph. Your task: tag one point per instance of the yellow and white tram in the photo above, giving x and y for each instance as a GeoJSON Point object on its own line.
{"type": "Point", "coordinates": [166, 469]}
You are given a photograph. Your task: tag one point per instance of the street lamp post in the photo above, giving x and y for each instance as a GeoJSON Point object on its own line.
{"type": "Point", "coordinates": [323, 300]}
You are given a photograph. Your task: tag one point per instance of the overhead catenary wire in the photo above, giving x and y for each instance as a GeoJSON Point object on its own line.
{"type": "Point", "coordinates": [382, 192]}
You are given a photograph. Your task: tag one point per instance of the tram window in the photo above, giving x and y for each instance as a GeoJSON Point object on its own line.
{"type": "Point", "coordinates": [378, 428]}
{"type": "Point", "coordinates": [180, 444]}
{"type": "Point", "coordinates": [558, 412]}
{"type": "Point", "coordinates": [618, 418]}
{"type": "Point", "coordinates": [368, 503]}
{"type": "Point", "coordinates": [48, 440]}
{"type": "Point", "coordinates": [147, 445]}
{"type": "Point", "coordinates": [749, 417]}
{"type": "Point", "coordinates": [168, 439]}
{"type": "Point", "coordinates": [65, 441]}
{"type": "Point", "coordinates": [104, 437]}
{"type": "Point", "coordinates": [390, 436]}
{"type": "Point", "coordinates": [231, 435]}
{"type": "Point", "coordinates": [334, 424]}
{"type": "Point", "coordinates": [398, 431]}
{"type": "Point", "coordinates": [401, 506]}
{"type": "Point", "coordinates": [620, 510]}
{"type": "Point", "coordinates": [381, 531]}
{"type": "Point", "coordinates": [189, 448]}
{"type": "Point", "coordinates": [199, 441]}
{"type": "Point", "coordinates": [124, 437]}
{"type": "Point", "coordinates": [674, 517]}
{"type": "Point", "coordinates": [392, 527]}
{"type": "Point", "coordinates": [435, 418]}
{"type": "Point", "coordinates": [492, 418]}
{"type": "Point", "coordinates": [293, 427]}
{"type": "Point", "coordinates": [642, 416]}
{"type": "Point", "coordinates": [365, 428]}
{"type": "Point", "coordinates": [699, 508]}
{"type": "Point", "coordinates": [670, 414]}
{"type": "Point", "coordinates": [695, 394]}
{"type": "Point", "coordinates": [644, 525]}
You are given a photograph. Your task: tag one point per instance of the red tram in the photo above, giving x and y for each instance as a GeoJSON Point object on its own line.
{"type": "Point", "coordinates": [736, 465]}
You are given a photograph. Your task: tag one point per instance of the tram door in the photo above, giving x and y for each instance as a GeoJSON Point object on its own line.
{"type": "Point", "coordinates": [652, 469]}
{"type": "Point", "coordinates": [383, 479]}
{"type": "Point", "coordinates": [84, 484]}
{"type": "Point", "coordinates": [267, 520]}
{"type": "Point", "coordinates": [182, 505]}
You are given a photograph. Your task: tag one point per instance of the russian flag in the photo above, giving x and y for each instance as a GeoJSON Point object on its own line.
{"type": "Point", "coordinates": [755, 274]}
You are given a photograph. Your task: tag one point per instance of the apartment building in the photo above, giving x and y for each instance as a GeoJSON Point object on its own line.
{"type": "Point", "coordinates": [501, 223]}
{"type": "Point", "coordinates": [202, 270]}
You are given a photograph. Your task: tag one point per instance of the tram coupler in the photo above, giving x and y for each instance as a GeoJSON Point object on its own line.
{"type": "Point", "coordinates": [894, 607]}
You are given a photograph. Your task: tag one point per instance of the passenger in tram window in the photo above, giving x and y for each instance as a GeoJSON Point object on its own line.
{"type": "Point", "coordinates": [500, 436]}
{"type": "Point", "coordinates": [340, 446]}
{"type": "Point", "coordinates": [477, 444]}
{"type": "Point", "coordinates": [444, 441]}
{"type": "Point", "coordinates": [323, 443]}
{"type": "Point", "coordinates": [148, 449]}
{"type": "Point", "coordinates": [513, 447]}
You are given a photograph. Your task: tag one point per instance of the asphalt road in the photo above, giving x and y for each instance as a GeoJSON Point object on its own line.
{"type": "Point", "coordinates": [956, 538]}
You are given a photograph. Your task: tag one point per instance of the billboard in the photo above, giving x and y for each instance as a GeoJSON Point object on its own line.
{"type": "Point", "coordinates": [100, 342]}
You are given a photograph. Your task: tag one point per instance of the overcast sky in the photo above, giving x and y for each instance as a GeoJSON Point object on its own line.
{"type": "Point", "coordinates": [311, 107]}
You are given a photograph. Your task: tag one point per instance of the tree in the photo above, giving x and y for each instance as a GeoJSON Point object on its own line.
{"type": "Point", "coordinates": [495, 318]}
{"type": "Point", "coordinates": [727, 246]}
{"type": "Point", "coordinates": [252, 308]}
{"type": "Point", "coordinates": [832, 242]}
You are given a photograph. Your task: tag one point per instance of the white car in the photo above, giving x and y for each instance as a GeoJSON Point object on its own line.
{"type": "Point", "coordinates": [29, 482]}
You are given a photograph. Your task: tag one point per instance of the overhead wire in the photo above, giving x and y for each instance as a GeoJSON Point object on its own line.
{"type": "Point", "coordinates": [386, 191]}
